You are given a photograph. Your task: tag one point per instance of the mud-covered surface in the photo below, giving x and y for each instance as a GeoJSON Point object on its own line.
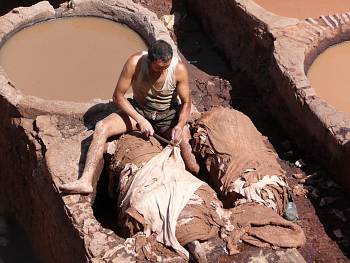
{"type": "Point", "coordinates": [323, 213]}
{"type": "Point", "coordinates": [324, 209]}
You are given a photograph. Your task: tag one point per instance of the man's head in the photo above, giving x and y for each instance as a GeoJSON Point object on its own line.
{"type": "Point", "coordinates": [160, 54]}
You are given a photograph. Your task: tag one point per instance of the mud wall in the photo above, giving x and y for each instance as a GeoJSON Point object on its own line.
{"type": "Point", "coordinates": [27, 195]}
{"type": "Point", "coordinates": [243, 39]}
{"type": "Point", "coordinates": [274, 52]}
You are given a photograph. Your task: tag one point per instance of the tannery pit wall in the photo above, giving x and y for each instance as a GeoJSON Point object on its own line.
{"type": "Point", "coordinates": [275, 53]}
{"type": "Point", "coordinates": [27, 191]}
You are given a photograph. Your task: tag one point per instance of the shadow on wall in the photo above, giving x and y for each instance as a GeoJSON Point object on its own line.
{"type": "Point", "coordinates": [8, 5]}
{"type": "Point", "coordinates": [27, 189]}
{"type": "Point", "coordinates": [198, 49]}
{"type": "Point", "coordinates": [15, 246]}
{"type": "Point", "coordinates": [201, 52]}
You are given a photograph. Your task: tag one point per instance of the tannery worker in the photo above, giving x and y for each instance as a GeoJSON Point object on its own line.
{"type": "Point", "coordinates": [157, 78]}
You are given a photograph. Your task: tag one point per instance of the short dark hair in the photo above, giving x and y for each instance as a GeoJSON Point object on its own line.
{"type": "Point", "coordinates": [160, 50]}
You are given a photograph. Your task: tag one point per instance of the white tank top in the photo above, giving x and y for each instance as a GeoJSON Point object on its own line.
{"type": "Point", "coordinates": [146, 95]}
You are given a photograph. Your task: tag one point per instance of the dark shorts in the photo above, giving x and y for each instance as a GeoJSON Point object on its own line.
{"type": "Point", "coordinates": [161, 121]}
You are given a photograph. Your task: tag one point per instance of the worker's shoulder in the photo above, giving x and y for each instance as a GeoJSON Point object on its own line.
{"type": "Point", "coordinates": [181, 69]}
{"type": "Point", "coordinates": [134, 59]}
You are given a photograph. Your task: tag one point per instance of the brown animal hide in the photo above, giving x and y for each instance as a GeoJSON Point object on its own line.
{"type": "Point", "coordinates": [242, 167]}
{"type": "Point", "coordinates": [204, 217]}
{"type": "Point", "coordinates": [262, 227]}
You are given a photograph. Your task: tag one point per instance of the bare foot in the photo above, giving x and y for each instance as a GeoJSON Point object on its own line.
{"type": "Point", "coordinates": [76, 187]}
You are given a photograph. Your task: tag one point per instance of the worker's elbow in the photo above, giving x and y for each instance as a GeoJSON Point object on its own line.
{"type": "Point", "coordinates": [117, 98]}
{"type": "Point", "coordinates": [187, 105]}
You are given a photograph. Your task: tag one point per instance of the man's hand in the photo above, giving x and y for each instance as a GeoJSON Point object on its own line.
{"type": "Point", "coordinates": [145, 127]}
{"type": "Point", "coordinates": [176, 134]}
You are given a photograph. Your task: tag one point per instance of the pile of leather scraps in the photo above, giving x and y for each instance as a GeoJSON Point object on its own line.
{"type": "Point", "coordinates": [134, 148]}
{"type": "Point", "coordinates": [201, 215]}
{"type": "Point", "coordinates": [153, 190]}
{"type": "Point", "coordinates": [262, 227]}
{"type": "Point", "coordinates": [131, 152]}
{"type": "Point", "coordinates": [148, 248]}
{"type": "Point", "coordinates": [241, 166]}
{"type": "Point", "coordinates": [204, 218]}
{"type": "Point", "coordinates": [159, 191]}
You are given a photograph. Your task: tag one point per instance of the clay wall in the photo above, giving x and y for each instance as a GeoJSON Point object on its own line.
{"type": "Point", "coordinates": [274, 52]}
{"type": "Point", "coordinates": [27, 192]}
{"type": "Point", "coordinates": [243, 39]}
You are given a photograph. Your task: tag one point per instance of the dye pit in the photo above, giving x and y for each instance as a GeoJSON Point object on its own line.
{"type": "Point", "coordinates": [73, 59]}
{"type": "Point", "coordinates": [303, 9]}
{"type": "Point", "coordinates": [329, 76]}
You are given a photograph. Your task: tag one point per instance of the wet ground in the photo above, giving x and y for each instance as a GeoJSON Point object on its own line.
{"type": "Point", "coordinates": [324, 209]}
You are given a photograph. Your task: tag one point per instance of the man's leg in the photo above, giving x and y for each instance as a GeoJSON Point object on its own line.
{"type": "Point", "coordinates": [114, 124]}
{"type": "Point", "coordinates": [186, 150]}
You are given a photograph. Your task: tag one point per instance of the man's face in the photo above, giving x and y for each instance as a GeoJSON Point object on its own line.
{"type": "Point", "coordinates": [159, 65]}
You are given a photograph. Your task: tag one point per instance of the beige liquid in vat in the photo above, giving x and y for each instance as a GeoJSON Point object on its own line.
{"type": "Point", "coordinates": [305, 8]}
{"type": "Point", "coordinates": [329, 75]}
{"type": "Point", "coordinates": [74, 59]}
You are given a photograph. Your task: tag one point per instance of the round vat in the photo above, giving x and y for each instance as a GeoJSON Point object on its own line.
{"type": "Point", "coordinates": [303, 9]}
{"type": "Point", "coordinates": [82, 78]}
{"type": "Point", "coordinates": [329, 76]}
{"type": "Point", "coordinates": [73, 59]}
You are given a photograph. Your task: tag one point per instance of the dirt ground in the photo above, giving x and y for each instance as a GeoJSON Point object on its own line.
{"type": "Point", "coordinates": [324, 209]}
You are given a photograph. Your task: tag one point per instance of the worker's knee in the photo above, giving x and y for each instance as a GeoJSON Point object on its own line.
{"type": "Point", "coordinates": [186, 134]}
{"type": "Point", "coordinates": [189, 158]}
{"type": "Point", "coordinates": [101, 129]}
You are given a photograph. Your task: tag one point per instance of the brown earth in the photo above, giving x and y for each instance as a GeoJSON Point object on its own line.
{"type": "Point", "coordinates": [324, 209]}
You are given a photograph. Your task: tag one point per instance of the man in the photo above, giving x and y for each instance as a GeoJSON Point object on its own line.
{"type": "Point", "coordinates": [157, 79]}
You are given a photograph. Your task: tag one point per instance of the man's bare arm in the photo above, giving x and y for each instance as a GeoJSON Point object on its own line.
{"type": "Point", "coordinates": [122, 103]}
{"type": "Point", "coordinates": [183, 91]}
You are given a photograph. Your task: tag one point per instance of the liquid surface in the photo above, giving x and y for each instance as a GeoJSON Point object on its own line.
{"type": "Point", "coordinates": [302, 9]}
{"type": "Point", "coordinates": [75, 59]}
{"type": "Point", "coordinates": [329, 75]}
